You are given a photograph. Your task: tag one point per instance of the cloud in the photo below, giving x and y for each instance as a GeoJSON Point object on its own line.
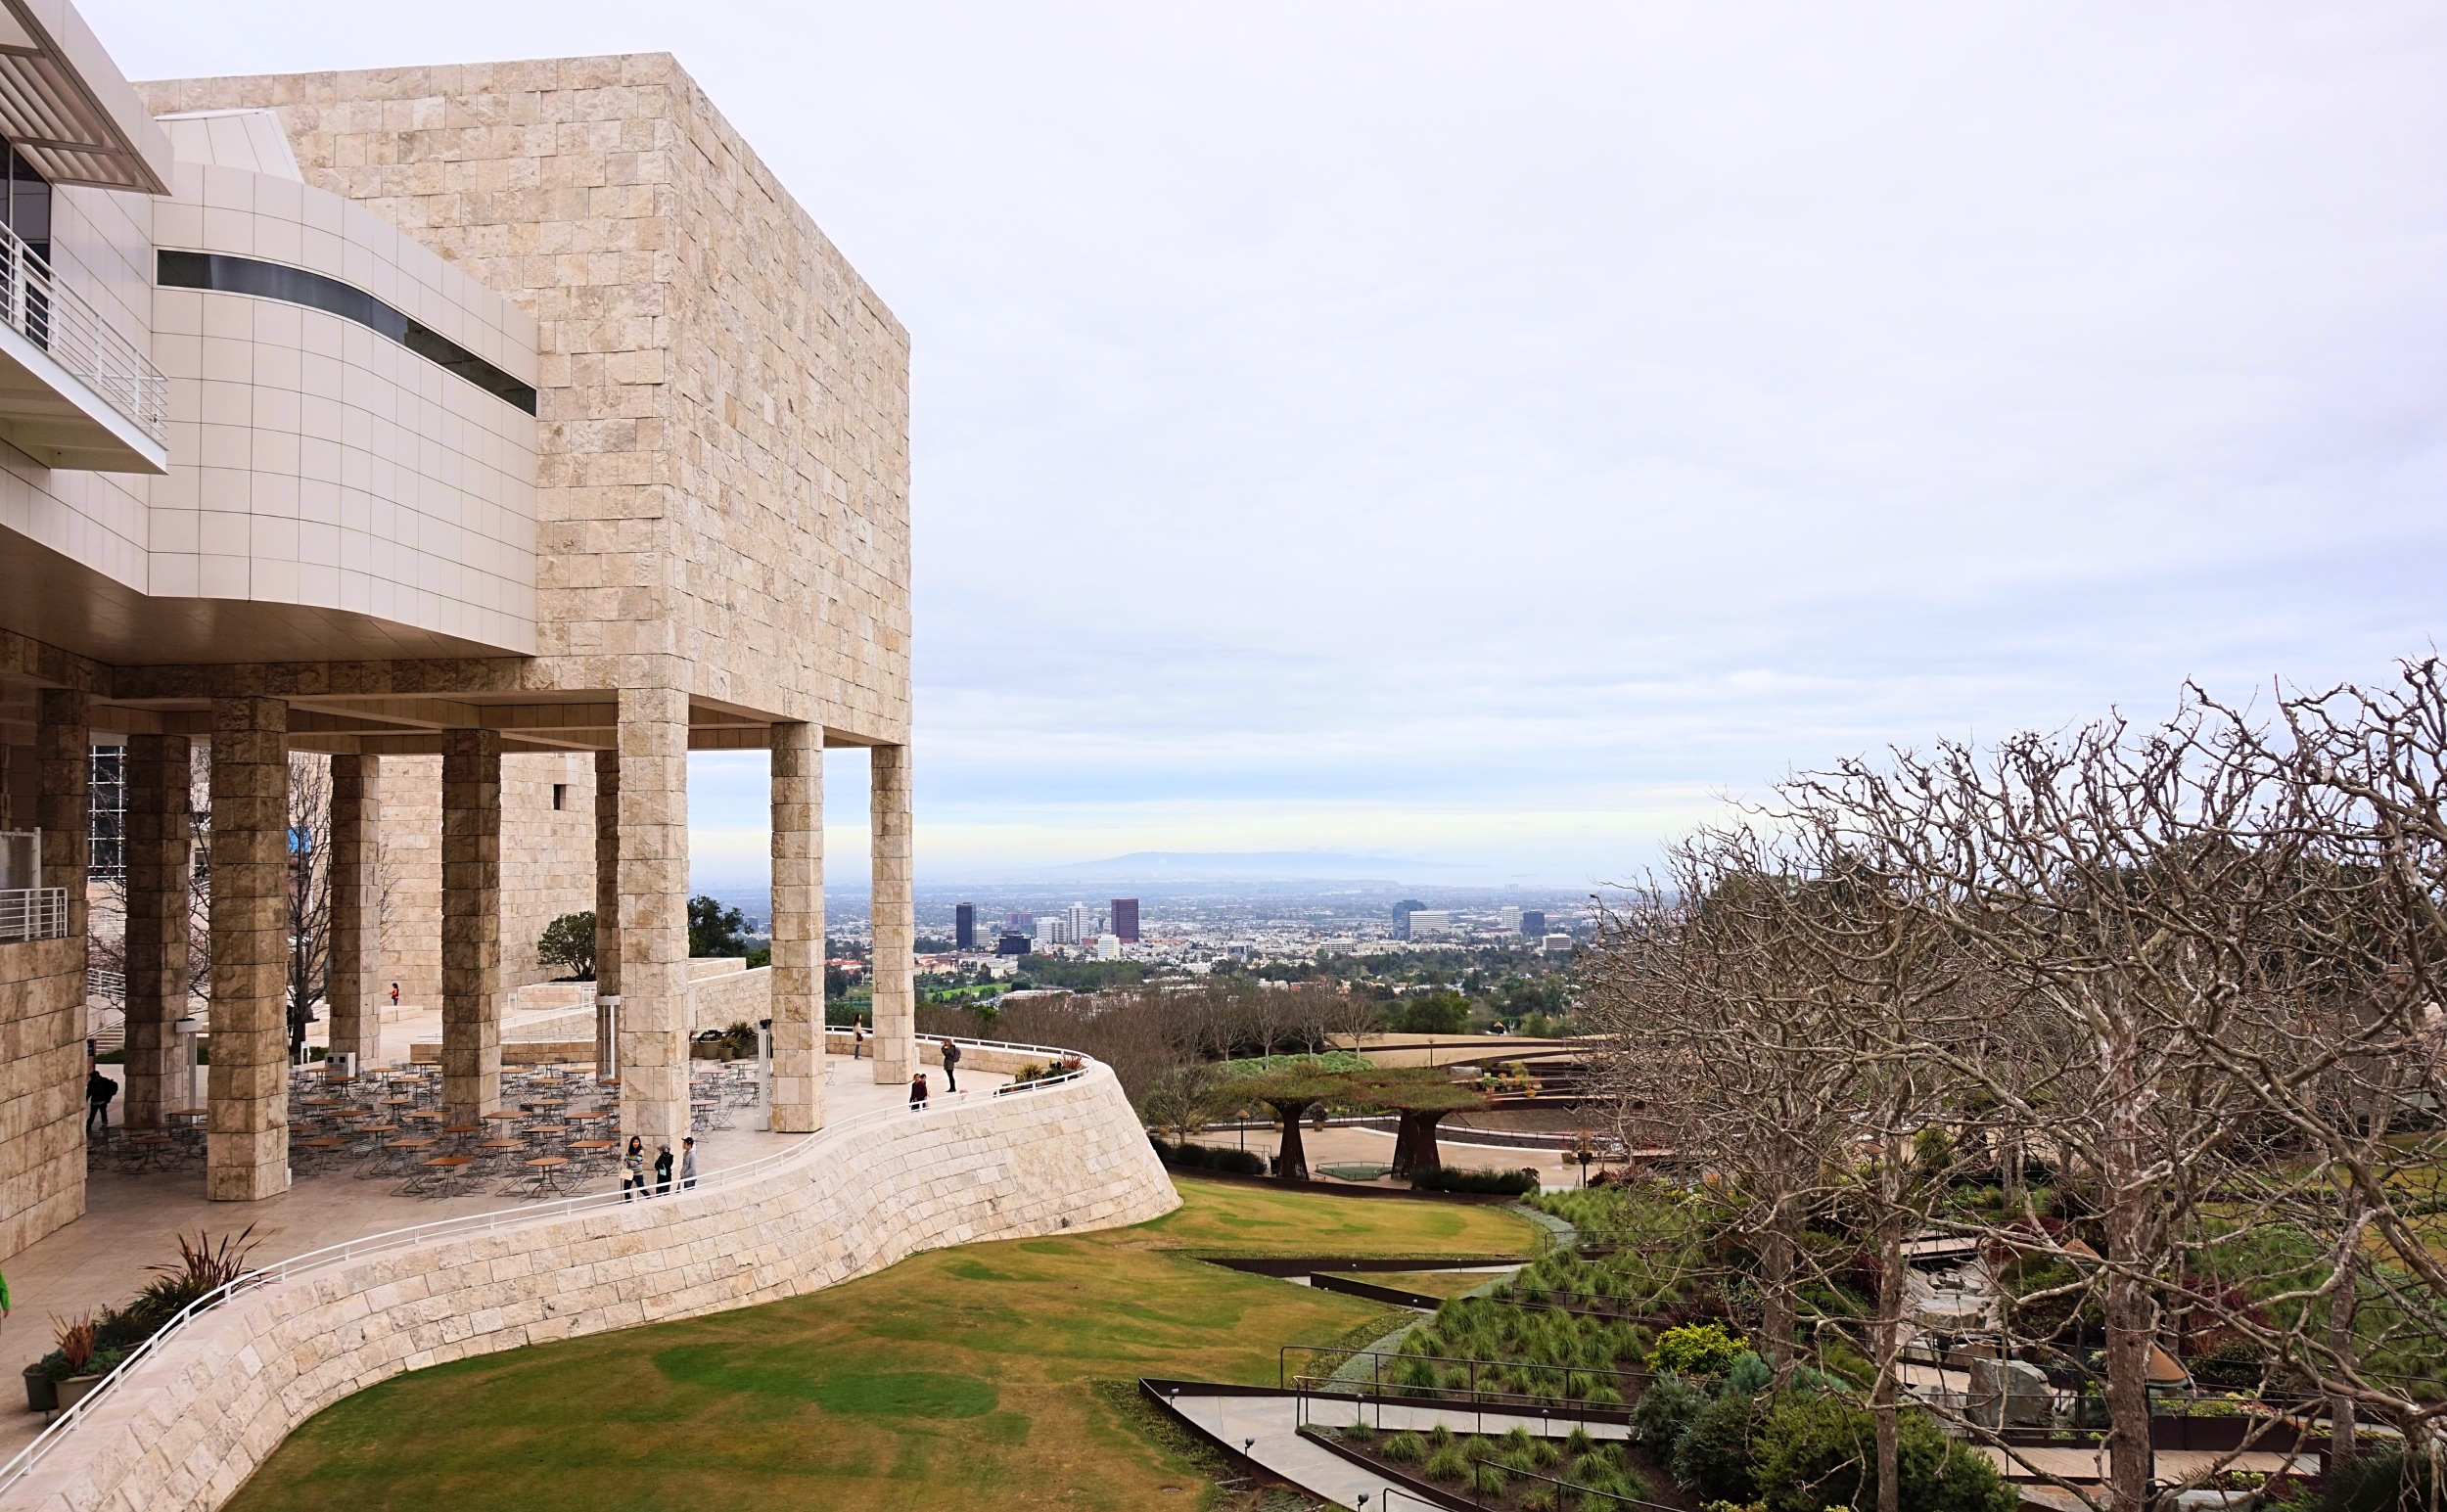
{"type": "Point", "coordinates": [1490, 432]}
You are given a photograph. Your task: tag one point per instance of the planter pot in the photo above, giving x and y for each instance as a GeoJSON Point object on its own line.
{"type": "Point", "coordinates": [42, 1393]}
{"type": "Point", "coordinates": [74, 1390]}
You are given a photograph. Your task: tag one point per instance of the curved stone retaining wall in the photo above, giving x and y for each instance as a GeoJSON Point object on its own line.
{"type": "Point", "coordinates": [188, 1426]}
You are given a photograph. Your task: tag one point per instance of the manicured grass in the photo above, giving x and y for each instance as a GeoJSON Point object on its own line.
{"type": "Point", "coordinates": [963, 1377]}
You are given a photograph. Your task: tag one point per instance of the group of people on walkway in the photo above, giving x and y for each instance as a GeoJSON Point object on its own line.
{"type": "Point", "coordinates": [633, 1183]}
{"type": "Point", "coordinates": [918, 1093]}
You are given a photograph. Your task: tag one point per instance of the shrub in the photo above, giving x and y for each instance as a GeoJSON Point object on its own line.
{"type": "Point", "coordinates": [1816, 1451]}
{"type": "Point", "coordinates": [1712, 1459]}
{"type": "Point", "coordinates": [1403, 1449]}
{"type": "Point", "coordinates": [1457, 1178]}
{"type": "Point", "coordinates": [1449, 1463]}
{"type": "Point", "coordinates": [1698, 1349]}
{"type": "Point", "coordinates": [1664, 1413]}
{"type": "Point", "coordinates": [1748, 1375]}
{"type": "Point", "coordinates": [2235, 1366]}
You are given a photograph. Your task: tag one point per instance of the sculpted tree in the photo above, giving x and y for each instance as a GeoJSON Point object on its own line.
{"type": "Point", "coordinates": [1290, 1091]}
{"type": "Point", "coordinates": [1423, 1097]}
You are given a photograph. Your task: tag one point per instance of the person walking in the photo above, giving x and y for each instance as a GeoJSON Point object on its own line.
{"type": "Point", "coordinates": [99, 1090]}
{"type": "Point", "coordinates": [395, 994]}
{"type": "Point", "coordinates": [917, 1091]}
{"type": "Point", "coordinates": [858, 1039]}
{"type": "Point", "coordinates": [634, 1168]}
{"type": "Point", "coordinates": [951, 1064]}
{"type": "Point", "coordinates": [663, 1170]}
{"type": "Point", "coordinates": [688, 1163]}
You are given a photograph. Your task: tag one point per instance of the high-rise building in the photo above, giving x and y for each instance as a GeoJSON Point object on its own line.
{"type": "Point", "coordinates": [1108, 948]}
{"type": "Point", "coordinates": [1082, 927]}
{"type": "Point", "coordinates": [964, 927]}
{"type": "Point", "coordinates": [1427, 923]}
{"type": "Point", "coordinates": [1532, 921]}
{"type": "Point", "coordinates": [1509, 917]}
{"type": "Point", "coordinates": [1020, 922]}
{"type": "Point", "coordinates": [1055, 931]}
{"type": "Point", "coordinates": [1011, 944]}
{"type": "Point", "coordinates": [1401, 916]}
{"type": "Point", "coordinates": [1126, 920]}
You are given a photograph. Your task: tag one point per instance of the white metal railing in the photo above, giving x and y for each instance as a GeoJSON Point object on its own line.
{"type": "Point", "coordinates": [278, 1271]}
{"type": "Point", "coordinates": [33, 913]}
{"type": "Point", "coordinates": [59, 320]}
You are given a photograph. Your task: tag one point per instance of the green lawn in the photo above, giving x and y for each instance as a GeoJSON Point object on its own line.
{"type": "Point", "coordinates": [964, 1377]}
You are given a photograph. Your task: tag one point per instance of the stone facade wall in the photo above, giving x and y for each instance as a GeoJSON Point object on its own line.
{"type": "Point", "coordinates": [722, 488]}
{"type": "Point", "coordinates": [722, 1000]}
{"type": "Point", "coordinates": [188, 1427]}
{"type": "Point", "coordinates": [547, 865]}
{"type": "Point", "coordinates": [42, 1087]}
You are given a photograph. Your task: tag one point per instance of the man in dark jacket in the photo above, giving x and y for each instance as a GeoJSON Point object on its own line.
{"type": "Point", "coordinates": [663, 1172]}
{"type": "Point", "coordinates": [951, 1063]}
{"type": "Point", "coordinates": [99, 1090]}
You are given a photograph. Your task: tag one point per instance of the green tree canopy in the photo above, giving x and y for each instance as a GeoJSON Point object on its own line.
{"type": "Point", "coordinates": [714, 930]}
{"type": "Point", "coordinates": [569, 940]}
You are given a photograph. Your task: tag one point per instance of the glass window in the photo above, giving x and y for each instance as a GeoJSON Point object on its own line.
{"type": "Point", "coordinates": [26, 205]}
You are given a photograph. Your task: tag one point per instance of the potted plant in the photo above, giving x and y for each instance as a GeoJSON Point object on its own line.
{"type": "Point", "coordinates": [42, 1387]}
{"type": "Point", "coordinates": [76, 1337]}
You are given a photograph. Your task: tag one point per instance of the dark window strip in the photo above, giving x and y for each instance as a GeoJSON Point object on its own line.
{"type": "Point", "coordinates": [225, 274]}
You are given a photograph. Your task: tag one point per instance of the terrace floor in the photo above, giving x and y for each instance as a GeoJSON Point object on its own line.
{"type": "Point", "coordinates": [132, 1221]}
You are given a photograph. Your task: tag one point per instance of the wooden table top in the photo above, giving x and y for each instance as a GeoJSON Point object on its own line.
{"type": "Point", "coordinates": [464, 1129]}
{"type": "Point", "coordinates": [378, 1128]}
{"type": "Point", "coordinates": [454, 1161]}
{"type": "Point", "coordinates": [590, 1144]}
{"type": "Point", "coordinates": [326, 1142]}
{"type": "Point", "coordinates": [549, 1129]}
{"type": "Point", "coordinates": [502, 1144]}
{"type": "Point", "coordinates": [550, 1160]}
{"type": "Point", "coordinates": [420, 1142]}
{"type": "Point", "coordinates": [427, 1116]}
{"type": "Point", "coordinates": [499, 1114]}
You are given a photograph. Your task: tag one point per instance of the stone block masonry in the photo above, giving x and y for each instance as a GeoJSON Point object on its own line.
{"type": "Point", "coordinates": [189, 1426]}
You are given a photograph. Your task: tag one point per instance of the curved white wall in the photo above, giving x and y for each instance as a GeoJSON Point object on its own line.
{"type": "Point", "coordinates": [187, 1427]}
{"type": "Point", "coordinates": [316, 463]}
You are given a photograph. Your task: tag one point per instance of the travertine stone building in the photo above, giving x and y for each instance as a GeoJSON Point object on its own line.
{"type": "Point", "coordinates": [506, 431]}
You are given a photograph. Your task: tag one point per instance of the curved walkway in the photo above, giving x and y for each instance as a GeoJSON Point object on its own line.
{"type": "Point", "coordinates": [184, 1424]}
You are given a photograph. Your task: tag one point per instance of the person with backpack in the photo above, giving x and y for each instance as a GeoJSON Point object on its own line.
{"type": "Point", "coordinates": [663, 1172]}
{"type": "Point", "coordinates": [951, 1063]}
{"type": "Point", "coordinates": [99, 1090]}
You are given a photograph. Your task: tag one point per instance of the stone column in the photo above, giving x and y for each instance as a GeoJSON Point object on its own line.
{"type": "Point", "coordinates": [247, 1123]}
{"type": "Point", "coordinates": [607, 908]}
{"type": "Point", "coordinates": [355, 993]}
{"type": "Point", "coordinates": [653, 914]}
{"type": "Point", "coordinates": [63, 807]}
{"type": "Point", "coordinates": [797, 751]}
{"type": "Point", "coordinates": [895, 918]}
{"type": "Point", "coordinates": [161, 879]}
{"type": "Point", "coordinates": [471, 923]}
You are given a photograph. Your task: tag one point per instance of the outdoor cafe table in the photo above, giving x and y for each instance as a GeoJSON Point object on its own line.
{"type": "Point", "coordinates": [547, 1169]}
{"type": "Point", "coordinates": [447, 1175]}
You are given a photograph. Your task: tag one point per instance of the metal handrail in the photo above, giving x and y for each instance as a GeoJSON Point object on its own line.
{"type": "Point", "coordinates": [33, 913]}
{"type": "Point", "coordinates": [278, 1271]}
{"type": "Point", "coordinates": [63, 323]}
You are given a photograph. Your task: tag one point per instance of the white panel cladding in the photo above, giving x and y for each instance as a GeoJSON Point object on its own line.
{"type": "Point", "coordinates": [315, 462]}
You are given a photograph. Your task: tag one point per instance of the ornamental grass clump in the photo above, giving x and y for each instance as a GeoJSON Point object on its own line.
{"type": "Point", "coordinates": [1403, 1449]}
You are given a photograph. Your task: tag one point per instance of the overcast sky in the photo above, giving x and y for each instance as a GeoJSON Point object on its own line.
{"type": "Point", "coordinates": [1493, 434]}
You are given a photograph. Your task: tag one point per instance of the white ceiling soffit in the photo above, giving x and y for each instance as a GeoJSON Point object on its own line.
{"type": "Point", "coordinates": [66, 107]}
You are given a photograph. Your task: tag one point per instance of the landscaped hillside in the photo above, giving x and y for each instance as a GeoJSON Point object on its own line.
{"type": "Point", "coordinates": [989, 1375]}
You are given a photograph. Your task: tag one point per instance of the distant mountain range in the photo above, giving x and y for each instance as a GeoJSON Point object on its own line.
{"type": "Point", "coordinates": [1254, 865]}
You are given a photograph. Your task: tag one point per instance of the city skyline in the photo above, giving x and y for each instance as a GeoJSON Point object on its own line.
{"type": "Point", "coordinates": [1497, 439]}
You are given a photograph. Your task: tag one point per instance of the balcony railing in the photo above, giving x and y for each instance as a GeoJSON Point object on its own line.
{"type": "Point", "coordinates": [57, 319]}
{"type": "Point", "coordinates": [33, 913]}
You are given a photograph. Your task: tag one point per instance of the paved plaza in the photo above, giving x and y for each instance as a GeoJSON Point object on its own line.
{"type": "Point", "coordinates": [132, 1221]}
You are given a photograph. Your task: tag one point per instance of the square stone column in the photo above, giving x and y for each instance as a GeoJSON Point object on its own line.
{"type": "Point", "coordinates": [653, 914]}
{"type": "Point", "coordinates": [247, 1121]}
{"type": "Point", "coordinates": [62, 807]}
{"type": "Point", "coordinates": [161, 879]}
{"type": "Point", "coordinates": [895, 919]}
{"type": "Point", "coordinates": [355, 993]}
{"type": "Point", "coordinates": [471, 923]}
{"type": "Point", "coordinates": [607, 910]}
{"type": "Point", "coordinates": [797, 752]}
